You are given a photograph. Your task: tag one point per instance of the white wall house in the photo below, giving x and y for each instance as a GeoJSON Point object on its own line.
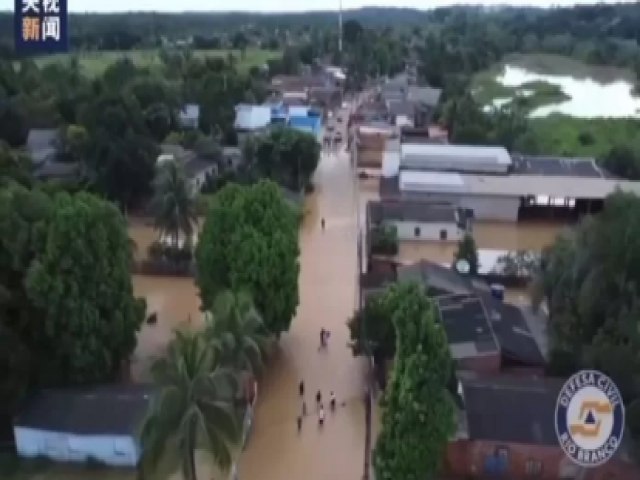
{"type": "Point", "coordinates": [439, 222]}
{"type": "Point", "coordinates": [78, 425]}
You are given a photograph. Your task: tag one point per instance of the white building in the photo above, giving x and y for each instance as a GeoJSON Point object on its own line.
{"type": "Point", "coordinates": [454, 158]}
{"type": "Point", "coordinates": [78, 425]}
{"type": "Point", "coordinates": [252, 117]}
{"type": "Point", "coordinates": [420, 221]}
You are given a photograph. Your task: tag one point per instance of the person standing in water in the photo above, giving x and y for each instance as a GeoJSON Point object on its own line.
{"type": "Point", "coordinates": [321, 416]}
{"type": "Point", "coordinates": [322, 223]}
{"type": "Point", "coordinates": [301, 388]}
{"type": "Point", "coordinates": [318, 397]}
{"type": "Point", "coordinates": [299, 424]}
{"type": "Point", "coordinates": [332, 402]}
{"type": "Point", "coordinates": [323, 334]}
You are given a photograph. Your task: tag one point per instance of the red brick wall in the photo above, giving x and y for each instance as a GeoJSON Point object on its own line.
{"type": "Point", "coordinates": [466, 459]}
{"type": "Point", "coordinates": [485, 364]}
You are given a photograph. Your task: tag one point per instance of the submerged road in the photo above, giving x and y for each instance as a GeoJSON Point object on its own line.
{"type": "Point", "coordinates": [328, 264]}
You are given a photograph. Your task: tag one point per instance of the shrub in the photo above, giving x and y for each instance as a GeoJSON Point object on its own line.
{"type": "Point", "coordinates": [586, 138]}
{"type": "Point", "coordinates": [632, 415]}
{"type": "Point", "coordinates": [384, 240]}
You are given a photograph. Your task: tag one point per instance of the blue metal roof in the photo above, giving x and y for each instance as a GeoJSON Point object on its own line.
{"type": "Point", "coordinates": [306, 123]}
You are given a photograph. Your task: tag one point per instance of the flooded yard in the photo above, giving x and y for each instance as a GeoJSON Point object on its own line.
{"type": "Point", "coordinates": [328, 296]}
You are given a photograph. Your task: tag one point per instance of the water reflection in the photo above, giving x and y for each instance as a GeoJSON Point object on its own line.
{"type": "Point", "coordinates": [589, 98]}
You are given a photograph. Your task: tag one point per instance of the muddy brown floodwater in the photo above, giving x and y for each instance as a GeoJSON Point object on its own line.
{"type": "Point", "coordinates": [276, 451]}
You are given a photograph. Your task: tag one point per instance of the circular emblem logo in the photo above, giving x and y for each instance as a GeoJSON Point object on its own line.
{"type": "Point", "coordinates": [589, 418]}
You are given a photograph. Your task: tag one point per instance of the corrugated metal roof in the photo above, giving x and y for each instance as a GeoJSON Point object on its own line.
{"type": "Point", "coordinates": [516, 185]}
{"type": "Point", "coordinates": [457, 153]}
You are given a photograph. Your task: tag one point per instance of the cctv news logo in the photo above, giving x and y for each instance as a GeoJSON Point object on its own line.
{"type": "Point", "coordinates": [40, 26]}
{"type": "Point", "coordinates": [589, 418]}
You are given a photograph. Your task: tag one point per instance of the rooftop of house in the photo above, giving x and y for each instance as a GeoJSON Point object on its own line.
{"type": "Point", "coordinates": [190, 111]}
{"type": "Point", "coordinates": [420, 135]}
{"type": "Point", "coordinates": [41, 144]}
{"type": "Point", "coordinates": [380, 211]}
{"type": "Point", "coordinates": [57, 170]}
{"type": "Point", "coordinates": [107, 409]}
{"type": "Point", "coordinates": [425, 95]}
{"type": "Point", "coordinates": [466, 298]}
{"type": "Point", "coordinates": [440, 280]}
{"type": "Point", "coordinates": [469, 332]}
{"type": "Point", "coordinates": [494, 408]}
{"type": "Point", "coordinates": [401, 107]}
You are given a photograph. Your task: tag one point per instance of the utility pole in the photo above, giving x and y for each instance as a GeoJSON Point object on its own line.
{"type": "Point", "coordinates": [340, 31]}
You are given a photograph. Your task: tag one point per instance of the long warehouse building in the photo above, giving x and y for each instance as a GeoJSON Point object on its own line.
{"type": "Point", "coordinates": [495, 185]}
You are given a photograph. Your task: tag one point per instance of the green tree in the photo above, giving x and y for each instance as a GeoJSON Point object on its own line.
{"type": "Point", "coordinates": [174, 204]}
{"type": "Point", "coordinates": [14, 127]}
{"type": "Point", "coordinates": [193, 411]}
{"type": "Point", "coordinates": [236, 332]}
{"type": "Point", "coordinates": [624, 161]}
{"type": "Point", "coordinates": [249, 242]}
{"type": "Point", "coordinates": [589, 281]}
{"type": "Point", "coordinates": [371, 330]}
{"type": "Point", "coordinates": [81, 281]}
{"type": "Point", "coordinates": [74, 143]}
{"type": "Point", "coordinates": [418, 414]}
{"type": "Point", "coordinates": [24, 216]}
{"type": "Point", "coordinates": [14, 167]}
{"type": "Point", "coordinates": [468, 251]}
{"type": "Point", "coordinates": [288, 156]}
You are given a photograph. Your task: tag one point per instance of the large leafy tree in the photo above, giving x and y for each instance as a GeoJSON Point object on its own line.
{"type": "Point", "coordinates": [122, 155]}
{"type": "Point", "coordinates": [173, 203]}
{"type": "Point", "coordinates": [287, 156]}
{"type": "Point", "coordinates": [236, 333]}
{"type": "Point", "coordinates": [81, 281]}
{"type": "Point", "coordinates": [590, 281]}
{"type": "Point", "coordinates": [192, 412]}
{"type": "Point", "coordinates": [249, 242]}
{"type": "Point", "coordinates": [24, 216]}
{"type": "Point", "coordinates": [418, 414]}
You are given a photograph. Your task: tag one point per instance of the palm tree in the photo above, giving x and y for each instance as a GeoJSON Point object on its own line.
{"type": "Point", "coordinates": [174, 203]}
{"type": "Point", "coordinates": [193, 409]}
{"type": "Point", "coordinates": [236, 332]}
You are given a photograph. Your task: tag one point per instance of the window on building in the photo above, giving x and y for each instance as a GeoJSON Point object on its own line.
{"type": "Point", "coordinates": [416, 231]}
{"type": "Point", "coordinates": [533, 468]}
{"type": "Point", "coordinates": [443, 234]}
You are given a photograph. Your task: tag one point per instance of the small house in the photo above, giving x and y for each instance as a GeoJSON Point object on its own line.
{"type": "Point", "coordinates": [84, 424]}
{"type": "Point", "coordinates": [421, 221]}
{"type": "Point", "coordinates": [42, 147]}
{"type": "Point", "coordinates": [189, 116]}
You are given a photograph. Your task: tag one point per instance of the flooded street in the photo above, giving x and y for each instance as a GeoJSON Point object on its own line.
{"type": "Point", "coordinates": [327, 298]}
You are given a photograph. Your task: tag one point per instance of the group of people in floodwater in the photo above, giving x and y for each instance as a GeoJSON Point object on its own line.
{"type": "Point", "coordinates": [324, 339]}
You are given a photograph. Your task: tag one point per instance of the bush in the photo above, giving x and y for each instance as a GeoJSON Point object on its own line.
{"type": "Point", "coordinates": [632, 415]}
{"type": "Point", "coordinates": [384, 240]}
{"type": "Point", "coordinates": [586, 138]}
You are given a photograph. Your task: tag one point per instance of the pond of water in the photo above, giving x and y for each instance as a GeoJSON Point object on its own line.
{"type": "Point", "coordinates": [589, 98]}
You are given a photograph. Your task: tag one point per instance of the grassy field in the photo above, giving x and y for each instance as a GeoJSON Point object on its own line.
{"type": "Point", "coordinates": [562, 135]}
{"type": "Point", "coordinates": [94, 63]}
